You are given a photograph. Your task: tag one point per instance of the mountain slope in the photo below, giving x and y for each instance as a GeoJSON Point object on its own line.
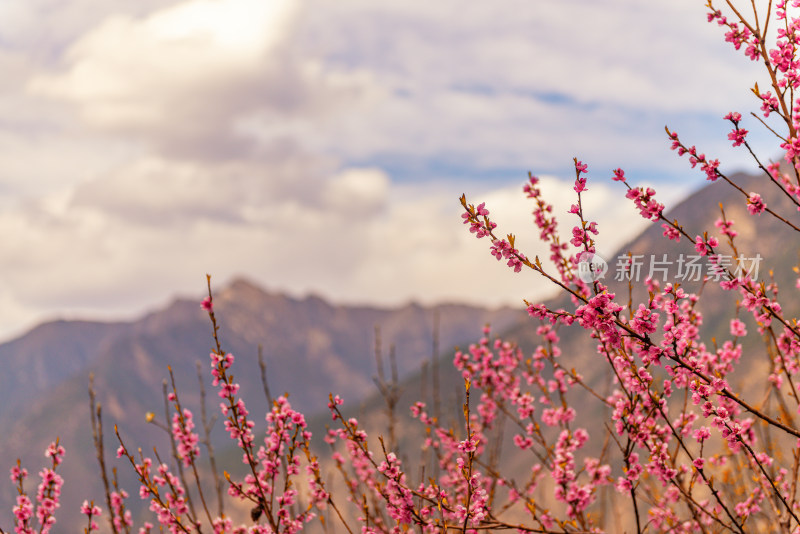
{"type": "Point", "coordinates": [311, 348]}
{"type": "Point", "coordinates": [776, 243]}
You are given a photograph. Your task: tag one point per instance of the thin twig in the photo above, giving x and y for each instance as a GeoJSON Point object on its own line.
{"type": "Point", "coordinates": [208, 424]}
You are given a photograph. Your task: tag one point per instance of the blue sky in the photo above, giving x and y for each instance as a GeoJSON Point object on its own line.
{"type": "Point", "coordinates": [318, 146]}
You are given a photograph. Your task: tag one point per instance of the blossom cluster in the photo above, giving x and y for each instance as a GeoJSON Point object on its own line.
{"type": "Point", "coordinates": [48, 494]}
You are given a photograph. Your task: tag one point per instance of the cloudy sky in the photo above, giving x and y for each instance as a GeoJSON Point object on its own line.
{"type": "Point", "coordinates": [321, 146]}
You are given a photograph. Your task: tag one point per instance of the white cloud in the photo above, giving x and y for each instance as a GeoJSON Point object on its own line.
{"type": "Point", "coordinates": [524, 84]}
{"type": "Point", "coordinates": [42, 29]}
{"type": "Point", "coordinates": [616, 51]}
{"type": "Point", "coordinates": [486, 84]}
{"type": "Point", "coordinates": [357, 192]}
{"type": "Point", "coordinates": [146, 143]}
{"type": "Point", "coordinates": [127, 70]}
{"type": "Point", "coordinates": [185, 78]}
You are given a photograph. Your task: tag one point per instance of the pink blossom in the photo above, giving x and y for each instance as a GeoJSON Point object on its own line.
{"type": "Point", "coordinates": [671, 233]}
{"type": "Point", "coordinates": [769, 103]}
{"type": "Point", "coordinates": [18, 474]}
{"type": "Point", "coordinates": [737, 135]}
{"type": "Point", "coordinates": [645, 202]}
{"type": "Point", "coordinates": [737, 328]}
{"type": "Point", "coordinates": [710, 168]}
{"type": "Point", "coordinates": [755, 204]}
{"type": "Point", "coordinates": [704, 247]}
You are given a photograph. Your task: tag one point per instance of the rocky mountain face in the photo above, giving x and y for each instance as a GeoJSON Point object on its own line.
{"type": "Point", "coordinates": [310, 347]}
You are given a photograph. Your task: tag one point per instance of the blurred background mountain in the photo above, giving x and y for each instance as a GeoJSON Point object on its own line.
{"type": "Point", "coordinates": [312, 347]}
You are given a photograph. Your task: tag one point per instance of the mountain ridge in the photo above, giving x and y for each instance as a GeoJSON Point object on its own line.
{"type": "Point", "coordinates": [311, 347]}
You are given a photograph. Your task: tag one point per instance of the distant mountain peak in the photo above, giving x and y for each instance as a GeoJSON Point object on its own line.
{"type": "Point", "coordinates": [241, 283]}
